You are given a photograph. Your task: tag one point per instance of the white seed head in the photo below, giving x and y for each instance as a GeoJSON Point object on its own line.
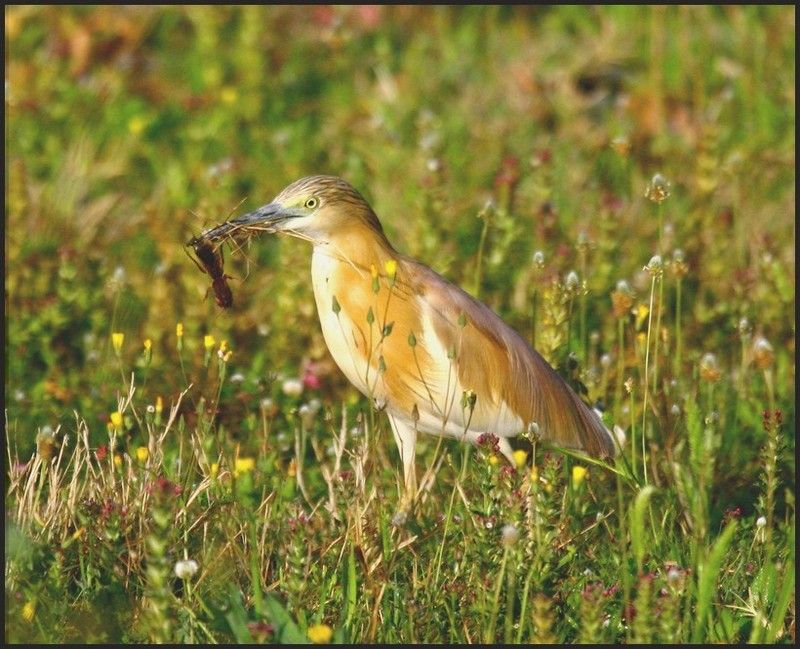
{"type": "Point", "coordinates": [572, 282]}
{"type": "Point", "coordinates": [674, 577]}
{"type": "Point", "coordinates": [186, 569]}
{"type": "Point", "coordinates": [509, 534]}
{"type": "Point", "coordinates": [709, 368]}
{"type": "Point", "coordinates": [624, 287]}
{"type": "Point", "coordinates": [400, 517]}
{"type": "Point", "coordinates": [745, 328]}
{"type": "Point", "coordinates": [763, 354]}
{"type": "Point", "coordinates": [292, 387]}
{"type": "Point", "coordinates": [655, 266]}
{"type": "Point", "coordinates": [761, 522]}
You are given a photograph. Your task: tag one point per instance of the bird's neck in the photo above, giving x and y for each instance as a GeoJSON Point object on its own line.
{"type": "Point", "coordinates": [358, 245]}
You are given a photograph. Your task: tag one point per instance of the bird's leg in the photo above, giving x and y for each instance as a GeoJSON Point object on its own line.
{"type": "Point", "coordinates": [406, 438]}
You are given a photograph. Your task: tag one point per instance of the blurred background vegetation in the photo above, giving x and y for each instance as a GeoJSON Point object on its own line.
{"type": "Point", "coordinates": [131, 129]}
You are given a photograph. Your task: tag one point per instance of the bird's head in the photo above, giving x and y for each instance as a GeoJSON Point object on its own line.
{"type": "Point", "coordinates": [314, 208]}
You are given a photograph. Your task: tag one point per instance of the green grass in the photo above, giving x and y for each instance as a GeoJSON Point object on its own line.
{"type": "Point", "coordinates": [129, 130]}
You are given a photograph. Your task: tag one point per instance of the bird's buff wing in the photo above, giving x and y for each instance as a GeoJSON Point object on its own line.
{"type": "Point", "coordinates": [507, 376]}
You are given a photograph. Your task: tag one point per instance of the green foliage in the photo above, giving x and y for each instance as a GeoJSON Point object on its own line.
{"type": "Point", "coordinates": [480, 135]}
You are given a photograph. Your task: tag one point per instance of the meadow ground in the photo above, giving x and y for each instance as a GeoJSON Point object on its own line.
{"type": "Point", "coordinates": [618, 183]}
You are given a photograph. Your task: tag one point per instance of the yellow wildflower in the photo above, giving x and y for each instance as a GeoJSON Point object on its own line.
{"type": "Point", "coordinates": [208, 341]}
{"type": "Point", "coordinates": [29, 610]}
{"type": "Point", "coordinates": [320, 634]}
{"type": "Point", "coordinates": [292, 470]}
{"type": "Point", "coordinates": [117, 460]}
{"type": "Point", "coordinates": [243, 465]}
{"type": "Point", "coordinates": [136, 124]}
{"type": "Point", "coordinates": [148, 344]}
{"type": "Point", "coordinates": [117, 339]}
{"type": "Point", "coordinates": [116, 419]}
{"type": "Point", "coordinates": [142, 454]}
{"type": "Point", "coordinates": [159, 404]}
{"type": "Point", "coordinates": [578, 475]}
{"type": "Point", "coordinates": [179, 330]}
{"type": "Point", "coordinates": [390, 267]}
{"type": "Point", "coordinates": [534, 473]}
{"type": "Point", "coordinates": [228, 95]}
{"type": "Point", "coordinates": [493, 460]}
{"type": "Point", "coordinates": [520, 457]}
{"type": "Point", "coordinates": [223, 346]}
{"type": "Point", "coordinates": [214, 470]}
{"type": "Point", "coordinates": [641, 314]}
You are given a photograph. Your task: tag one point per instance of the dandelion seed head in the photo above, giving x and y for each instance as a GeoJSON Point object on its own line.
{"type": "Point", "coordinates": [509, 534]}
{"type": "Point", "coordinates": [572, 281]}
{"type": "Point", "coordinates": [292, 387]}
{"type": "Point", "coordinates": [185, 569]}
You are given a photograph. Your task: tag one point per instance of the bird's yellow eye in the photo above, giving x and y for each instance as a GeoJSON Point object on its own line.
{"type": "Point", "coordinates": [311, 203]}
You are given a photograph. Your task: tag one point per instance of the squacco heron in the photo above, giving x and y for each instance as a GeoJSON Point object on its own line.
{"type": "Point", "coordinates": [438, 360]}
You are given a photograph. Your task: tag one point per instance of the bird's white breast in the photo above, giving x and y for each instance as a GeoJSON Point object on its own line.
{"type": "Point", "coordinates": [338, 330]}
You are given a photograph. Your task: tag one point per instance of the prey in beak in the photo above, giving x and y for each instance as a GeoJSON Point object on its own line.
{"type": "Point", "coordinates": [207, 246]}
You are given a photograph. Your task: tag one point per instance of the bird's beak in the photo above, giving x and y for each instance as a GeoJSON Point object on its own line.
{"type": "Point", "coordinates": [270, 216]}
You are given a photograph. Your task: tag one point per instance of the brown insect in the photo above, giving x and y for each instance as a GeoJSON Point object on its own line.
{"type": "Point", "coordinates": [212, 264]}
